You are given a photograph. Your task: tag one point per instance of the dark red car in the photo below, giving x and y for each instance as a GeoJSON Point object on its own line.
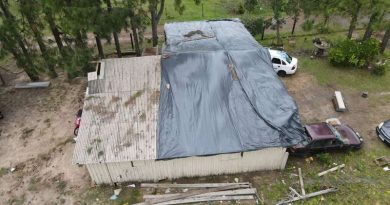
{"type": "Point", "coordinates": [324, 137]}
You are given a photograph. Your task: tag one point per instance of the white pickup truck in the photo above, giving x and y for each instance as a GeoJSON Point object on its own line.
{"type": "Point", "coordinates": [282, 63]}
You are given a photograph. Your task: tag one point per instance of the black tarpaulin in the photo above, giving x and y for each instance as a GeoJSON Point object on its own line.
{"type": "Point", "coordinates": [219, 93]}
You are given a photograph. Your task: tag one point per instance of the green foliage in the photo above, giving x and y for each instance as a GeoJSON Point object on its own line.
{"type": "Point", "coordinates": [241, 9]}
{"type": "Point", "coordinates": [322, 28]}
{"type": "Point", "coordinates": [379, 69]}
{"type": "Point", "coordinates": [324, 158]}
{"type": "Point", "coordinates": [250, 5]}
{"type": "Point", "coordinates": [179, 7]}
{"type": "Point", "coordinates": [308, 25]}
{"type": "Point", "coordinates": [254, 24]}
{"type": "Point", "coordinates": [352, 53]}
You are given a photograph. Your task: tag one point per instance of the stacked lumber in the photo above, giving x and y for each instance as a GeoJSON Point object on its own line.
{"type": "Point", "coordinates": [204, 192]}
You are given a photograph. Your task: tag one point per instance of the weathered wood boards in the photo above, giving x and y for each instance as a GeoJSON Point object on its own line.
{"type": "Point", "coordinates": [205, 185]}
{"type": "Point", "coordinates": [201, 193]}
{"type": "Point", "coordinates": [331, 170]}
{"type": "Point", "coordinates": [33, 85]}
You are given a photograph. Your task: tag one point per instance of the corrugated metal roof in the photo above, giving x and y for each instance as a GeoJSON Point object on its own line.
{"type": "Point", "coordinates": [119, 118]}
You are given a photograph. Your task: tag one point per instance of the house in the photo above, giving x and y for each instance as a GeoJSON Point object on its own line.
{"type": "Point", "coordinates": [210, 104]}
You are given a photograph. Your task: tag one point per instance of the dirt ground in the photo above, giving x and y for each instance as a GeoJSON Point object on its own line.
{"type": "Point", "coordinates": [36, 136]}
{"type": "Point", "coordinates": [314, 102]}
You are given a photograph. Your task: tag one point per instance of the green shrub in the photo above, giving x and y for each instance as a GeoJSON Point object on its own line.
{"type": "Point", "coordinates": [324, 158]}
{"type": "Point", "coordinates": [254, 24]}
{"type": "Point", "coordinates": [379, 69]}
{"type": "Point", "coordinates": [308, 25]}
{"type": "Point", "coordinates": [241, 9]}
{"type": "Point", "coordinates": [322, 28]}
{"type": "Point", "coordinates": [353, 53]}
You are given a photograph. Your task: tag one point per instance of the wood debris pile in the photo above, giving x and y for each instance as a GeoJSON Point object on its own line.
{"type": "Point", "coordinates": [195, 193]}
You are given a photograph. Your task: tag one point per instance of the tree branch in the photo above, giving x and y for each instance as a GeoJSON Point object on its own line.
{"type": "Point", "coordinates": [160, 12]}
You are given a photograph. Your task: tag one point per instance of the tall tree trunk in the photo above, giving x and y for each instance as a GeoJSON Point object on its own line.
{"type": "Point", "coordinates": [154, 33]}
{"type": "Point", "coordinates": [99, 46]}
{"type": "Point", "coordinates": [131, 41]}
{"type": "Point", "coordinates": [42, 46]}
{"type": "Point", "coordinates": [278, 39]}
{"type": "Point", "coordinates": [24, 61]}
{"type": "Point", "coordinates": [155, 18]}
{"type": "Point", "coordinates": [55, 31]}
{"type": "Point", "coordinates": [117, 45]}
{"type": "Point", "coordinates": [2, 80]}
{"type": "Point", "coordinates": [135, 35]}
{"type": "Point", "coordinates": [262, 33]}
{"type": "Point", "coordinates": [352, 24]}
{"type": "Point", "coordinates": [326, 19]}
{"type": "Point", "coordinates": [116, 39]}
{"type": "Point", "coordinates": [385, 39]}
{"type": "Point", "coordinates": [294, 24]}
{"type": "Point", "coordinates": [371, 22]}
{"type": "Point", "coordinates": [26, 64]}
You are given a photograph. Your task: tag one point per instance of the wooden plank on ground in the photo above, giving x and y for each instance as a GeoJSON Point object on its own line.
{"type": "Point", "coordinates": [210, 185]}
{"type": "Point", "coordinates": [33, 85]}
{"type": "Point", "coordinates": [205, 199]}
{"type": "Point", "coordinates": [251, 191]}
{"type": "Point", "coordinates": [193, 193]}
{"type": "Point", "coordinates": [301, 181]}
{"type": "Point", "coordinates": [331, 170]}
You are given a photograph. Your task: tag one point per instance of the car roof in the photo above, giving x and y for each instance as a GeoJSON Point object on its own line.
{"type": "Point", "coordinates": [318, 131]}
{"type": "Point", "coordinates": [275, 52]}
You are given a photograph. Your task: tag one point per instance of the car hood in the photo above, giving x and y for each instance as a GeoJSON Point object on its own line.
{"type": "Point", "coordinates": [348, 133]}
{"type": "Point", "coordinates": [386, 127]}
{"type": "Point", "coordinates": [294, 61]}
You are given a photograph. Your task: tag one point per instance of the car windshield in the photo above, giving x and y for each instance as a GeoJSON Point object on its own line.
{"type": "Point", "coordinates": [337, 133]}
{"type": "Point", "coordinates": [285, 57]}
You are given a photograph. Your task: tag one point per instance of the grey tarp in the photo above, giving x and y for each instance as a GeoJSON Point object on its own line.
{"type": "Point", "coordinates": [219, 93]}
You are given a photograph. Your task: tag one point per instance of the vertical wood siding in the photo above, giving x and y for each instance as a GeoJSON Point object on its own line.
{"type": "Point", "coordinates": [150, 170]}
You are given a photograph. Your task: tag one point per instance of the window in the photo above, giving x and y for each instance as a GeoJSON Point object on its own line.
{"type": "Point", "coordinates": [284, 63]}
{"type": "Point", "coordinates": [276, 61]}
{"type": "Point", "coordinates": [335, 142]}
{"type": "Point", "coordinates": [319, 143]}
{"type": "Point", "coordinates": [285, 56]}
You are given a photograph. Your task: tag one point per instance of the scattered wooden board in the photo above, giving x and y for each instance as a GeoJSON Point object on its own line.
{"type": "Point", "coordinates": [205, 199]}
{"type": "Point", "coordinates": [331, 170]}
{"type": "Point", "coordinates": [210, 185]}
{"type": "Point", "coordinates": [251, 191]}
{"type": "Point", "coordinates": [301, 182]}
{"type": "Point", "coordinates": [33, 85]}
{"type": "Point", "coordinates": [193, 193]}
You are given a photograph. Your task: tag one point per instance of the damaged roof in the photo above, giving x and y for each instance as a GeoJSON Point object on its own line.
{"type": "Point", "coordinates": [224, 95]}
{"type": "Point", "coordinates": [120, 112]}
{"type": "Point", "coordinates": [212, 91]}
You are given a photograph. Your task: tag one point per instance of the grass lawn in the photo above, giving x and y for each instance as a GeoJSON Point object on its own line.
{"type": "Point", "coordinates": [212, 9]}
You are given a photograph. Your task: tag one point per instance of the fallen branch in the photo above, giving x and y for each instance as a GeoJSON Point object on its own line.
{"type": "Point", "coordinates": [322, 192]}
{"type": "Point", "coordinates": [331, 170]}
